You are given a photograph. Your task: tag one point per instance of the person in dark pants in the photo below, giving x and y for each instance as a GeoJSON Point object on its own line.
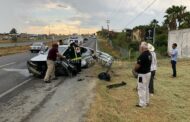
{"type": "Point", "coordinates": [74, 54]}
{"type": "Point", "coordinates": [173, 56]}
{"type": "Point", "coordinates": [152, 69]}
{"type": "Point", "coordinates": [78, 62]}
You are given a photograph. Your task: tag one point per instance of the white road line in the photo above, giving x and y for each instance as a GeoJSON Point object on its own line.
{"type": "Point", "coordinates": [7, 64]}
{"type": "Point", "coordinates": [12, 89]}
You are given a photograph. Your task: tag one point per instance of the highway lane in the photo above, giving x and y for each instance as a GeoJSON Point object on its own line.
{"type": "Point", "coordinates": [13, 69]}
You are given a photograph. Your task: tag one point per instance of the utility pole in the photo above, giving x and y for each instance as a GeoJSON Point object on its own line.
{"type": "Point", "coordinates": [49, 29]}
{"type": "Point", "coordinates": [79, 30]}
{"type": "Point", "coordinates": [108, 22]}
{"type": "Point", "coordinates": [154, 36]}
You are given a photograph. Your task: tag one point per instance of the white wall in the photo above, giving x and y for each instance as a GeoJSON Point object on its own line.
{"type": "Point", "coordinates": [182, 38]}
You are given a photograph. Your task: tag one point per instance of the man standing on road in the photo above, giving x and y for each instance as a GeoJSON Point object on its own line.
{"type": "Point", "coordinates": [152, 69]}
{"type": "Point", "coordinates": [142, 67]}
{"type": "Point", "coordinates": [173, 56]}
{"type": "Point", "coordinates": [52, 55]}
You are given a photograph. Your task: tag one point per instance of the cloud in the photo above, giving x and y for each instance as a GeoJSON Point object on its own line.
{"type": "Point", "coordinates": [53, 5]}
{"type": "Point", "coordinates": [60, 28]}
{"type": "Point", "coordinates": [86, 14]}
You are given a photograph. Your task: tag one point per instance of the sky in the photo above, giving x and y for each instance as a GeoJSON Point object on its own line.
{"type": "Point", "coordinates": [80, 16]}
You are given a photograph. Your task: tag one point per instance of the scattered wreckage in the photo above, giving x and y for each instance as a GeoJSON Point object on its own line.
{"type": "Point", "coordinates": [37, 65]}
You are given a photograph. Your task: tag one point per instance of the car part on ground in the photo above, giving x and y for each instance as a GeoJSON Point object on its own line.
{"type": "Point", "coordinates": [116, 85]}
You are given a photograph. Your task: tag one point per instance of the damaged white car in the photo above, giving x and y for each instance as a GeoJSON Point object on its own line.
{"type": "Point", "coordinates": [37, 65]}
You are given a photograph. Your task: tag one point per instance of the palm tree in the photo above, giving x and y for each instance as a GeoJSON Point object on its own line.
{"type": "Point", "coordinates": [154, 23]}
{"type": "Point", "coordinates": [174, 13]}
{"type": "Point", "coordinates": [186, 22]}
{"type": "Point", "coordinates": [181, 14]}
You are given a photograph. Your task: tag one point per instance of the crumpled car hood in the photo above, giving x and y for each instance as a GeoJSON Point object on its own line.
{"type": "Point", "coordinates": [40, 57]}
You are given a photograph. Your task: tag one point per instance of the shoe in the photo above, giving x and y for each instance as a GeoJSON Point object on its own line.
{"type": "Point", "coordinates": [151, 94]}
{"type": "Point", "coordinates": [55, 78]}
{"type": "Point", "coordinates": [48, 81]}
{"type": "Point", "coordinates": [140, 106]}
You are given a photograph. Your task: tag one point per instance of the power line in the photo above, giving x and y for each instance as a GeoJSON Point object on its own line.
{"type": "Point", "coordinates": [116, 9]}
{"type": "Point", "coordinates": [119, 24]}
{"type": "Point", "coordinates": [138, 15]}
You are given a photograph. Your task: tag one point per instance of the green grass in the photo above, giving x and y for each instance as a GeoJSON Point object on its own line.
{"type": "Point", "coordinates": [171, 102]}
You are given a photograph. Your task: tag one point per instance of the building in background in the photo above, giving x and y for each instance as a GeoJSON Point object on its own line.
{"type": "Point", "coordinates": [138, 35]}
{"type": "Point", "coordinates": [182, 38]}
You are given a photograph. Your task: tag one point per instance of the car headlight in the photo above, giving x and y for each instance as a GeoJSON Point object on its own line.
{"type": "Point", "coordinates": [83, 62]}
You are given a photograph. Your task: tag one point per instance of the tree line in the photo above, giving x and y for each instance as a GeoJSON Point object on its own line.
{"type": "Point", "coordinates": [176, 17]}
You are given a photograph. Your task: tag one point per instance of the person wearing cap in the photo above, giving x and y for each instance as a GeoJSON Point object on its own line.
{"type": "Point", "coordinates": [142, 67]}
{"type": "Point", "coordinates": [173, 56]}
{"type": "Point", "coordinates": [152, 69]}
{"type": "Point", "coordinates": [74, 53]}
{"type": "Point", "coordinates": [51, 58]}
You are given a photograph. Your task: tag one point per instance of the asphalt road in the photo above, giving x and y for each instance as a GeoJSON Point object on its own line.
{"type": "Point", "coordinates": [14, 73]}
{"type": "Point", "coordinates": [24, 98]}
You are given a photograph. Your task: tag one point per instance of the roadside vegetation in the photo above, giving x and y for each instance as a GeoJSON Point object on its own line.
{"type": "Point", "coordinates": [170, 102]}
{"type": "Point", "coordinates": [129, 39]}
{"type": "Point", "coordinates": [17, 49]}
{"type": "Point", "coordinates": [13, 50]}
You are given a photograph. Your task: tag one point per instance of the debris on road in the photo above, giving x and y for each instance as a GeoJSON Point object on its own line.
{"type": "Point", "coordinates": [104, 76]}
{"type": "Point", "coordinates": [80, 79]}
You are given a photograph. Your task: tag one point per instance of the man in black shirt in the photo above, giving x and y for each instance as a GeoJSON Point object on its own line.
{"type": "Point", "coordinates": [74, 53]}
{"type": "Point", "coordinates": [143, 69]}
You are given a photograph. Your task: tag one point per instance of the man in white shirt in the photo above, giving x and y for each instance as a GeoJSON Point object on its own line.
{"type": "Point", "coordinates": [152, 69]}
{"type": "Point", "coordinates": [174, 55]}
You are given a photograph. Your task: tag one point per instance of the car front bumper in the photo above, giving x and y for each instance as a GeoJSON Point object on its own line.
{"type": "Point", "coordinates": [33, 68]}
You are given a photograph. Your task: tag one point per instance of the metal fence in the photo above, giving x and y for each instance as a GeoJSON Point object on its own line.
{"type": "Point", "coordinates": [123, 52]}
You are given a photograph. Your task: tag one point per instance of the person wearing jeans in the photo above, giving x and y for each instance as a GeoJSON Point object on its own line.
{"type": "Point", "coordinates": [174, 55]}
